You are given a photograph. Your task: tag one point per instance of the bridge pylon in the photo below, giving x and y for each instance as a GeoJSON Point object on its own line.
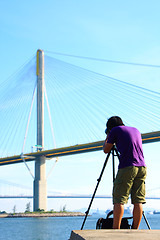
{"type": "Point", "coordinates": [40, 183]}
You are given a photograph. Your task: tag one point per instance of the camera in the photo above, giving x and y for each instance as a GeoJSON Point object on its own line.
{"type": "Point", "coordinates": [106, 131]}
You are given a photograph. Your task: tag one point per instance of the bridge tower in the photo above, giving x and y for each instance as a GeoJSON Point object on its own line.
{"type": "Point", "coordinates": [40, 183]}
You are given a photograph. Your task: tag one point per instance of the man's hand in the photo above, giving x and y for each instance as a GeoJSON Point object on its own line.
{"type": "Point", "coordinates": [107, 146]}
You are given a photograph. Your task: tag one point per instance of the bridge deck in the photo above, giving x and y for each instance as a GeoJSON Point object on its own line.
{"type": "Point", "coordinates": [76, 149]}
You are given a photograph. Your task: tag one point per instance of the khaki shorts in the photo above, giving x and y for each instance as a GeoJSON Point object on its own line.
{"type": "Point", "coordinates": [130, 180]}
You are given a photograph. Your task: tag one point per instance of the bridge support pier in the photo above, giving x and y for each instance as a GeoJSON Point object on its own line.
{"type": "Point", "coordinates": [40, 183]}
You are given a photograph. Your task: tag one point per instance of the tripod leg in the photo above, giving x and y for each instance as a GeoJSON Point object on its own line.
{"type": "Point", "coordinates": [146, 221]}
{"type": "Point", "coordinates": [98, 181]}
{"type": "Point", "coordinates": [113, 164]}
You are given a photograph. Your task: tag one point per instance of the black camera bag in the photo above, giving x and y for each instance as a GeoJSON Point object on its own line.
{"type": "Point", "coordinates": [108, 222]}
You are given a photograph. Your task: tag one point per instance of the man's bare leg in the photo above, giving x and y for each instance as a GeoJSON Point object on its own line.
{"type": "Point", "coordinates": [137, 215]}
{"type": "Point", "coordinates": [118, 214]}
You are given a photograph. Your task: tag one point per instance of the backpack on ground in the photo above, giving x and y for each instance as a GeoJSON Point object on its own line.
{"type": "Point", "coordinates": [107, 223]}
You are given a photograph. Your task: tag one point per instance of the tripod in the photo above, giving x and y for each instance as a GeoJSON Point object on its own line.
{"type": "Point", "coordinates": [114, 153]}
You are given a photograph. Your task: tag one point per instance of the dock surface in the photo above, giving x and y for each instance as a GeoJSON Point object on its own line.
{"type": "Point", "coordinates": [109, 234]}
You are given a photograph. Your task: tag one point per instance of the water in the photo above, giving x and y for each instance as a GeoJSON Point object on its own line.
{"type": "Point", "coordinates": [56, 228]}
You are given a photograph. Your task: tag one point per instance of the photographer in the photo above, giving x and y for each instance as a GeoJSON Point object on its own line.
{"type": "Point", "coordinates": [130, 178]}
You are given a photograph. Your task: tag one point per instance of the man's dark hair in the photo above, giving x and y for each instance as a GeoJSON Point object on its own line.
{"type": "Point", "coordinates": [113, 122]}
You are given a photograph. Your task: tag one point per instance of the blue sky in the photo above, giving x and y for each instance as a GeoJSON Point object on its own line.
{"type": "Point", "coordinates": [116, 30]}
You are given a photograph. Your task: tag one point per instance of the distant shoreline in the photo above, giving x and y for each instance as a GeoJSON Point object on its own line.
{"type": "Point", "coordinates": [56, 214]}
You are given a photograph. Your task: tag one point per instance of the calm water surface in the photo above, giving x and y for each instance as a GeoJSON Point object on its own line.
{"type": "Point", "coordinates": [58, 228]}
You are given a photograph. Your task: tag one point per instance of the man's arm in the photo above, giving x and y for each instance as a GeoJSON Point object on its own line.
{"type": "Point", "coordinates": [107, 146]}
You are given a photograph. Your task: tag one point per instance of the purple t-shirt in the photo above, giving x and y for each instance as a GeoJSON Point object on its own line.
{"type": "Point", "coordinates": [129, 144]}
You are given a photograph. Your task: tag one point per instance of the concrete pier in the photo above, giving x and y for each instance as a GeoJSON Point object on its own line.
{"type": "Point", "coordinates": [110, 234]}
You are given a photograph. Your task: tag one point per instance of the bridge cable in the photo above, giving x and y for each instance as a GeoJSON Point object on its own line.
{"type": "Point", "coordinates": [51, 125]}
{"type": "Point", "coordinates": [130, 94]}
{"type": "Point", "coordinates": [105, 60]}
{"type": "Point", "coordinates": [22, 155]}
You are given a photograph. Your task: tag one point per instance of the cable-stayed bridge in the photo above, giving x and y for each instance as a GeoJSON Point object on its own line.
{"type": "Point", "coordinates": [78, 102]}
